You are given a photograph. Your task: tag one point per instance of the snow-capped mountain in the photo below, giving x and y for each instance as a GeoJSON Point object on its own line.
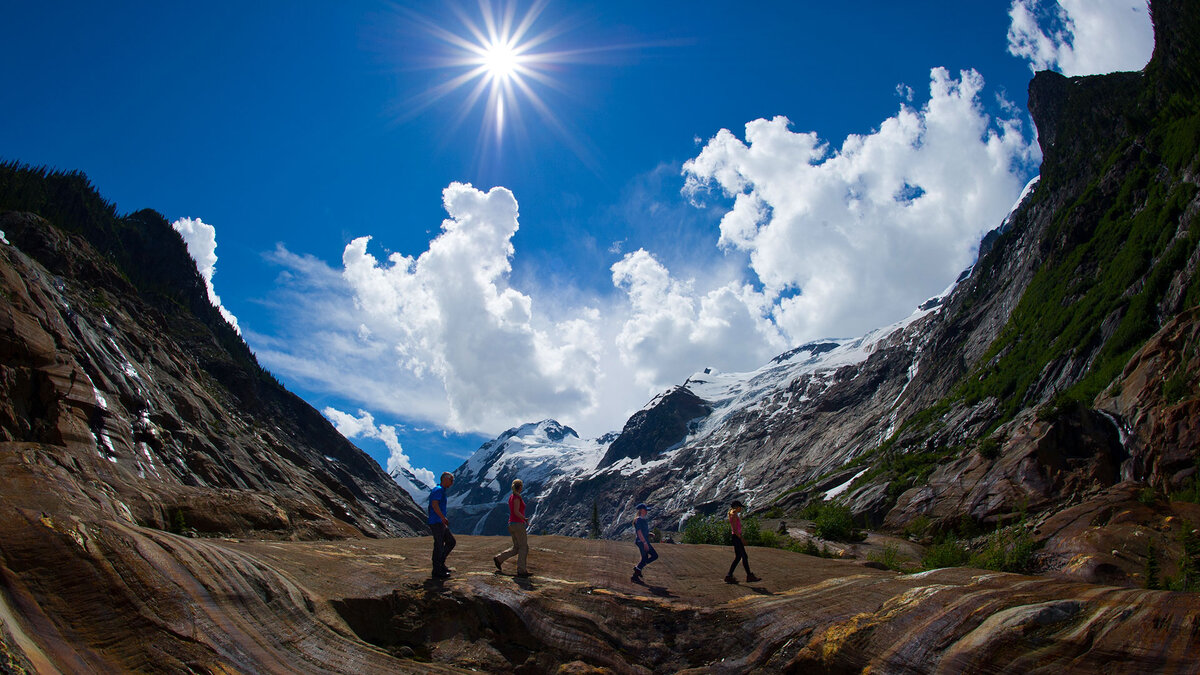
{"type": "Point", "coordinates": [720, 435]}
{"type": "Point", "coordinates": [540, 454]}
{"type": "Point", "coordinates": [416, 487]}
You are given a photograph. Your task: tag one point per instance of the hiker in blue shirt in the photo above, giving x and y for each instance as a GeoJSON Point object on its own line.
{"type": "Point", "coordinates": [443, 540]}
{"type": "Point", "coordinates": [641, 536]}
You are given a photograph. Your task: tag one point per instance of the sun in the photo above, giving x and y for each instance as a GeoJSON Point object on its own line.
{"type": "Point", "coordinates": [500, 60]}
{"type": "Point", "coordinates": [510, 64]}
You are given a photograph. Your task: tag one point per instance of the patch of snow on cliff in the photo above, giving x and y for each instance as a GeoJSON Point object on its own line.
{"type": "Point", "coordinates": [627, 466]}
{"type": "Point", "coordinates": [834, 492]}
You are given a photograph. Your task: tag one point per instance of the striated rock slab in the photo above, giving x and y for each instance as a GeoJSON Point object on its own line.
{"type": "Point", "coordinates": [103, 596]}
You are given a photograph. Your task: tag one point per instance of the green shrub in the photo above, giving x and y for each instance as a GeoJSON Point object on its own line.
{"type": "Point", "coordinates": [918, 527]}
{"type": "Point", "coordinates": [807, 547]}
{"type": "Point", "coordinates": [715, 529]}
{"type": "Point", "coordinates": [967, 527]}
{"type": "Point", "coordinates": [1007, 550]}
{"type": "Point", "coordinates": [989, 448]}
{"type": "Point", "coordinates": [752, 534]}
{"type": "Point", "coordinates": [1175, 388]}
{"type": "Point", "coordinates": [1190, 492]}
{"type": "Point", "coordinates": [707, 530]}
{"type": "Point", "coordinates": [1187, 578]}
{"type": "Point", "coordinates": [1153, 580]}
{"type": "Point", "coordinates": [178, 523]}
{"type": "Point", "coordinates": [760, 537]}
{"type": "Point", "coordinates": [836, 524]}
{"type": "Point", "coordinates": [1147, 496]}
{"type": "Point", "coordinates": [946, 553]}
{"type": "Point", "coordinates": [890, 558]}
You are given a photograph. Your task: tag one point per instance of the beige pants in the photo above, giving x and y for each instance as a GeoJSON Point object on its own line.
{"type": "Point", "coordinates": [520, 547]}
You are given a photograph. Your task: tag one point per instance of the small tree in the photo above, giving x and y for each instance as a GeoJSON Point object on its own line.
{"type": "Point", "coordinates": [1153, 579]}
{"type": "Point", "coordinates": [178, 524]}
{"type": "Point", "coordinates": [594, 529]}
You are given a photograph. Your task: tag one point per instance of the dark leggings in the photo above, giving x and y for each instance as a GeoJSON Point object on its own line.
{"type": "Point", "coordinates": [443, 544]}
{"type": "Point", "coordinates": [739, 554]}
{"type": "Point", "coordinates": [649, 555]}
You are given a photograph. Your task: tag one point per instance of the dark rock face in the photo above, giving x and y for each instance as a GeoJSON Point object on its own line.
{"type": "Point", "coordinates": [1042, 465]}
{"type": "Point", "coordinates": [142, 415]}
{"type": "Point", "coordinates": [653, 430]}
{"type": "Point", "coordinates": [1156, 400]}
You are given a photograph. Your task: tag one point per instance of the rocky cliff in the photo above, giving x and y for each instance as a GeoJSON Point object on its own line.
{"type": "Point", "coordinates": [126, 396]}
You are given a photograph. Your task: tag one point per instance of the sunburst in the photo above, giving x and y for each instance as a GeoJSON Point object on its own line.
{"type": "Point", "coordinates": [499, 59]}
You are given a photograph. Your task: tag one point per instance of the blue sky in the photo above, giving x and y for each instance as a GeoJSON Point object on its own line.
{"type": "Point", "coordinates": [884, 138]}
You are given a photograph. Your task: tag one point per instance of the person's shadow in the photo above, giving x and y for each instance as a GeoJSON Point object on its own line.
{"type": "Point", "coordinates": [658, 591]}
{"type": "Point", "coordinates": [661, 591]}
{"type": "Point", "coordinates": [526, 583]}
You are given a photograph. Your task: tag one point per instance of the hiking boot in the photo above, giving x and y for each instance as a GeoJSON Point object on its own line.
{"type": "Point", "coordinates": [497, 562]}
{"type": "Point", "coordinates": [750, 578]}
{"type": "Point", "coordinates": [637, 575]}
{"type": "Point", "coordinates": [524, 575]}
{"type": "Point", "coordinates": [730, 579]}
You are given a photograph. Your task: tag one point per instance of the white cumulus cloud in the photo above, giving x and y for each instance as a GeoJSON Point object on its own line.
{"type": "Point", "coordinates": [670, 329]}
{"type": "Point", "coordinates": [1081, 37]}
{"type": "Point", "coordinates": [451, 314]}
{"type": "Point", "coordinates": [201, 240]}
{"type": "Point", "coordinates": [364, 426]}
{"type": "Point", "coordinates": [846, 240]}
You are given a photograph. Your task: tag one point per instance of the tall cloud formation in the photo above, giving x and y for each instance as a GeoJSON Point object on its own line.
{"type": "Point", "coordinates": [450, 313]}
{"type": "Point", "coordinates": [1075, 37]}
{"type": "Point", "coordinates": [201, 240]}
{"type": "Point", "coordinates": [843, 240]}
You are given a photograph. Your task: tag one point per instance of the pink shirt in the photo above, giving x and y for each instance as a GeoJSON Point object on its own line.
{"type": "Point", "coordinates": [516, 508]}
{"type": "Point", "coordinates": [736, 523]}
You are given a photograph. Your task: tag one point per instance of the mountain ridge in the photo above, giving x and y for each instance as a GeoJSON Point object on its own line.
{"type": "Point", "coordinates": [111, 347]}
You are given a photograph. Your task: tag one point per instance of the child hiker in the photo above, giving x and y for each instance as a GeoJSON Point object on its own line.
{"type": "Point", "coordinates": [517, 528]}
{"type": "Point", "coordinates": [641, 536]}
{"type": "Point", "coordinates": [739, 548]}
